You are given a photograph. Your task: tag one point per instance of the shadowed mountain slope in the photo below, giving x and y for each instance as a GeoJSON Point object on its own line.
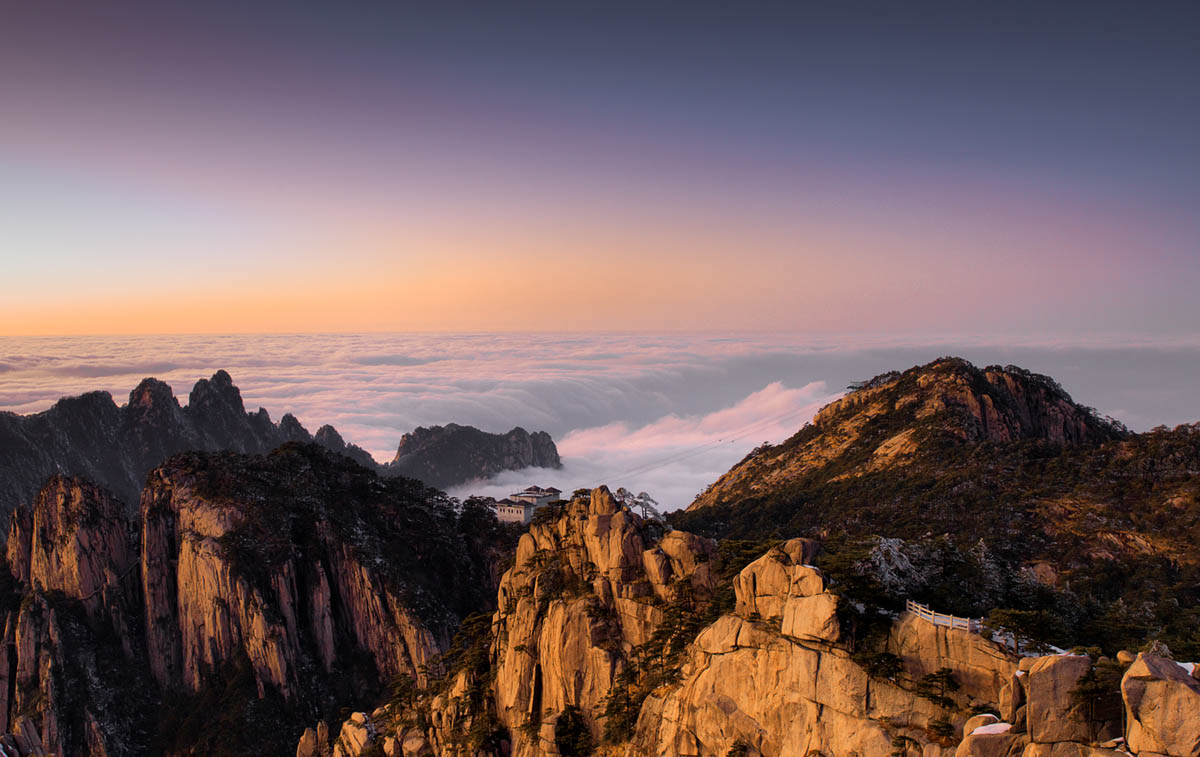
{"type": "Point", "coordinates": [116, 446]}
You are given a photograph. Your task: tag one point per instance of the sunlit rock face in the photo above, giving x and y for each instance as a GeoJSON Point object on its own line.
{"type": "Point", "coordinates": [748, 684]}
{"type": "Point", "coordinates": [587, 587]}
{"type": "Point", "coordinates": [1162, 707]}
{"type": "Point", "coordinates": [72, 637]}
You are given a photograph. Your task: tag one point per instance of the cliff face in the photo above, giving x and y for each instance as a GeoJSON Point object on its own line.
{"type": "Point", "coordinates": [90, 436]}
{"type": "Point", "coordinates": [211, 594]}
{"type": "Point", "coordinates": [442, 456]}
{"type": "Point", "coordinates": [72, 680]}
{"type": "Point", "coordinates": [262, 592]}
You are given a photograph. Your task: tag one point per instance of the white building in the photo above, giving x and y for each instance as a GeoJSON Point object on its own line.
{"type": "Point", "coordinates": [519, 507]}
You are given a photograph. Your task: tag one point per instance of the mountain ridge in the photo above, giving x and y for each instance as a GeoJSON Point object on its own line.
{"type": "Point", "coordinates": [116, 445]}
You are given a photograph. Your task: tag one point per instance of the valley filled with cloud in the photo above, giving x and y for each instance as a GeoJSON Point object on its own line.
{"type": "Point", "coordinates": [664, 414]}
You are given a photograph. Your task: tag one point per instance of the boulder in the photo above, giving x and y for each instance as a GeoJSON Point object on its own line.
{"type": "Point", "coordinates": [1162, 706]}
{"type": "Point", "coordinates": [1012, 697]}
{"type": "Point", "coordinates": [977, 721]}
{"type": "Point", "coordinates": [357, 733]}
{"type": "Point", "coordinates": [812, 617]}
{"type": "Point", "coordinates": [765, 585]}
{"type": "Point", "coordinates": [993, 739]}
{"type": "Point", "coordinates": [1125, 657]}
{"type": "Point", "coordinates": [415, 745]}
{"type": "Point", "coordinates": [1052, 712]}
{"type": "Point", "coordinates": [1020, 720]}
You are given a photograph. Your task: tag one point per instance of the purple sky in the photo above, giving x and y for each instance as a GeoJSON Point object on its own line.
{"type": "Point", "coordinates": [1016, 169]}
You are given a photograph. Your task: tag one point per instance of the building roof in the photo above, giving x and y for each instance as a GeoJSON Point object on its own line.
{"type": "Point", "coordinates": [537, 491]}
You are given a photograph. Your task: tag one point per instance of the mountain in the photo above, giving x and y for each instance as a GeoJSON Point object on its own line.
{"type": "Point", "coordinates": [116, 446]}
{"type": "Point", "coordinates": [984, 489]}
{"type": "Point", "coordinates": [251, 594]}
{"type": "Point", "coordinates": [906, 420]}
{"type": "Point", "coordinates": [442, 456]}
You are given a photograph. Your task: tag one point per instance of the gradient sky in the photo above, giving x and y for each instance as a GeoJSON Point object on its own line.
{"type": "Point", "coordinates": [1008, 168]}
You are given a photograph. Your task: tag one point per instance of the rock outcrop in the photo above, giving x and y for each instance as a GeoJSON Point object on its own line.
{"type": "Point", "coordinates": [771, 677]}
{"type": "Point", "coordinates": [207, 600]}
{"type": "Point", "coordinates": [983, 670]}
{"type": "Point", "coordinates": [587, 588]}
{"type": "Point", "coordinates": [443, 456]}
{"type": "Point", "coordinates": [1162, 708]}
{"type": "Point", "coordinates": [592, 587]}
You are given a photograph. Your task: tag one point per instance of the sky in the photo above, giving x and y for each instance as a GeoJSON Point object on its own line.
{"type": "Point", "coordinates": [666, 414]}
{"type": "Point", "coordinates": [928, 169]}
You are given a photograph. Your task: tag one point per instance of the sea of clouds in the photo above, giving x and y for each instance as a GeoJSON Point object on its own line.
{"type": "Point", "coordinates": [664, 414]}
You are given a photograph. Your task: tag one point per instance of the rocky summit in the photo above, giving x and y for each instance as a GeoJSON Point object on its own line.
{"type": "Point", "coordinates": [116, 446]}
{"type": "Point", "coordinates": [443, 456]}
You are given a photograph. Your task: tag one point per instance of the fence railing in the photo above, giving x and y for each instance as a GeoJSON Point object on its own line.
{"type": "Point", "coordinates": [973, 625]}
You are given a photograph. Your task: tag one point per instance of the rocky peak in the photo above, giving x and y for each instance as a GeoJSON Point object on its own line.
{"type": "Point", "coordinates": [899, 419]}
{"type": "Point", "coordinates": [292, 431]}
{"type": "Point", "coordinates": [216, 391]}
{"type": "Point", "coordinates": [442, 456]}
{"type": "Point", "coordinates": [998, 404]}
{"type": "Point", "coordinates": [91, 437]}
{"type": "Point", "coordinates": [151, 394]}
{"type": "Point", "coordinates": [263, 590]}
{"type": "Point", "coordinates": [590, 584]}
{"type": "Point", "coordinates": [328, 437]}
{"type": "Point", "coordinates": [116, 447]}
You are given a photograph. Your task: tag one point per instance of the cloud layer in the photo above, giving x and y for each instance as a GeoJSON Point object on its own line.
{"type": "Point", "coordinates": [667, 414]}
{"type": "Point", "coordinates": [674, 457]}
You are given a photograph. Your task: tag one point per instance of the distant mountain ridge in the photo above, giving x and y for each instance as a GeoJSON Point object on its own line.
{"type": "Point", "coordinates": [116, 446]}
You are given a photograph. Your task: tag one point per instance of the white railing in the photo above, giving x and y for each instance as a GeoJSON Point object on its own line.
{"type": "Point", "coordinates": [973, 625]}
